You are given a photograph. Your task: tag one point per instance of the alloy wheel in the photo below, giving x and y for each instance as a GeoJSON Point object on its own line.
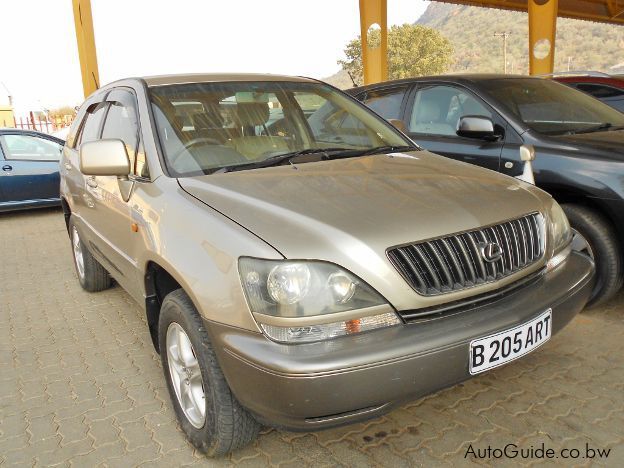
{"type": "Point", "coordinates": [186, 375]}
{"type": "Point", "coordinates": [78, 254]}
{"type": "Point", "coordinates": [580, 244]}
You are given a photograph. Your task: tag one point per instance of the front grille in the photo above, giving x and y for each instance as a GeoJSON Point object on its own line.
{"type": "Point", "coordinates": [457, 262]}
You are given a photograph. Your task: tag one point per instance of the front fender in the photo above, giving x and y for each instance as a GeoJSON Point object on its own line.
{"type": "Point", "coordinates": [199, 247]}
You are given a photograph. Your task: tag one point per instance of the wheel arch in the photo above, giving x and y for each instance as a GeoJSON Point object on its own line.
{"type": "Point", "coordinates": [66, 212]}
{"type": "Point", "coordinates": [563, 196]}
{"type": "Point", "coordinates": [160, 279]}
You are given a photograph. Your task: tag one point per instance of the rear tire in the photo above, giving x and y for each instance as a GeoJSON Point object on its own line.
{"type": "Point", "coordinates": [193, 376]}
{"type": "Point", "coordinates": [92, 276]}
{"type": "Point", "coordinates": [603, 245]}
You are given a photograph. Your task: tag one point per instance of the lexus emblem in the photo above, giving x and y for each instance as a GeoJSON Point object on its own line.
{"type": "Point", "coordinates": [491, 252]}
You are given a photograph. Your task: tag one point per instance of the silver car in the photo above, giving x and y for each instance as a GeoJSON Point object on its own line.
{"type": "Point", "coordinates": [301, 262]}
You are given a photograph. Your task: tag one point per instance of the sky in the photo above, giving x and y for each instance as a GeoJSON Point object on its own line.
{"type": "Point", "coordinates": [39, 65]}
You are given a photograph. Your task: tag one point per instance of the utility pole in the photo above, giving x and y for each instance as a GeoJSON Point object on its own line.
{"type": "Point", "coordinates": [504, 35]}
{"type": "Point", "coordinates": [8, 93]}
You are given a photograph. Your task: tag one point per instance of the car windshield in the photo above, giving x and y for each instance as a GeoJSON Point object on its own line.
{"type": "Point", "coordinates": [552, 108]}
{"type": "Point", "coordinates": [206, 127]}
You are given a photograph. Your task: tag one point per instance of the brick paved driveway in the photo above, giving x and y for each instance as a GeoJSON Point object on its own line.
{"type": "Point", "coordinates": [81, 385]}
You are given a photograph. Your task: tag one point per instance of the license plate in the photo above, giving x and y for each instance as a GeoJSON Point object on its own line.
{"type": "Point", "coordinates": [500, 348]}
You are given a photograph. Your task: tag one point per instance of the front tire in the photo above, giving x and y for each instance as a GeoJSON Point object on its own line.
{"type": "Point", "coordinates": [594, 236]}
{"type": "Point", "coordinates": [92, 276]}
{"type": "Point", "coordinates": [208, 412]}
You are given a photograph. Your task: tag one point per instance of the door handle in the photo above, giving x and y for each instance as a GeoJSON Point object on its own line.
{"type": "Point", "coordinates": [91, 182]}
{"type": "Point", "coordinates": [7, 168]}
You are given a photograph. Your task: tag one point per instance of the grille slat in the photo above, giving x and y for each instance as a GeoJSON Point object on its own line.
{"type": "Point", "coordinates": [442, 262]}
{"type": "Point", "coordinates": [537, 246]}
{"type": "Point", "coordinates": [428, 267]}
{"type": "Point", "coordinates": [475, 256]}
{"type": "Point", "coordinates": [523, 241]}
{"type": "Point", "coordinates": [413, 269]}
{"type": "Point", "coordinates": [451, 254]}
{"type": "Point", "coordinates": [464, 258]}
{"type": "Point", "coordinates": [530, 239]}
{"type": "Point", "coordinates": [457, 262]}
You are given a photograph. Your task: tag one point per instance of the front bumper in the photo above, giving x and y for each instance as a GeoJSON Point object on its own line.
{"type": "Point", "coordinates": [341, 381]}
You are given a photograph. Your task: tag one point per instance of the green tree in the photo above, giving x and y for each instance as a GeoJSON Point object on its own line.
{"type": "Point", "coordinates": [413, 50]}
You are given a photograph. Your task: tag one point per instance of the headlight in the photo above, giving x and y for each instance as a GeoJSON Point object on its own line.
{"type": "Point", "coordinates": [288, 283]}
{"type": "Point", "coordinates": [303, 301]}
{"type": "Point", "coordinates": [560, 234]}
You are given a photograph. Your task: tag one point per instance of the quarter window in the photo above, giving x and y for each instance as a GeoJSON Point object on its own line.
{"type": "Point", "coordinates": [437, 110]}
{"type": "Point", "coordinates": [30, 148]}
{"type": "Point", "coordinates": [386, 102]}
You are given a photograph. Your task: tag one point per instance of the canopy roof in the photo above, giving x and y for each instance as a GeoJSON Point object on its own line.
{"type": "Point", "coordinates": [603, 11]}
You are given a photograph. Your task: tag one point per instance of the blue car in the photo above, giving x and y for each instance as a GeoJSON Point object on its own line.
{"type": "Point", "coordinates": [30, 169]}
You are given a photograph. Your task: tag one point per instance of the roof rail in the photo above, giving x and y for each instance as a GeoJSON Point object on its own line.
{"type": "Point", "coordinates": [577, 73]}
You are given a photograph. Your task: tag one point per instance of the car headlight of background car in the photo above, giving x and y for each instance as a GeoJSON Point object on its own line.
{"type": "Point", "coordinates": [561, 235]}
{"type": "Point", "coordinates": [320, 299]}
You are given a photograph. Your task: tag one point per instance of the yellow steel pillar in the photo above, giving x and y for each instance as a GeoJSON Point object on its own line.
{"type": "Point", "coordinates": [542, 31]}
{"type": "Point", "coordinates": [373, 16]}
{"type": "Point", "coordinates": [86, 46]}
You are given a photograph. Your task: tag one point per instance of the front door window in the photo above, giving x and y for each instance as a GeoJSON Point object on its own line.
{"type": "Point", "coordinates": [437, 110]}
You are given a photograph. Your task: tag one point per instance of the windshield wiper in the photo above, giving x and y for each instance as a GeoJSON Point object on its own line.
{"type": "Point", "coordinates": [327, 154]}
{"type": "Point", "coordinates": [597, 128]}
{"type": "Point", "coordinates": [387, 149]}
{"type": "Point", "coordinates": [280, 158]}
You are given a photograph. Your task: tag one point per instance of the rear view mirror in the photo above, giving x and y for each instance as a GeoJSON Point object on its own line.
{"type": "Point", "coordinates": [475, 126]}
{"type": "Point", "coordinates": [104, 158]}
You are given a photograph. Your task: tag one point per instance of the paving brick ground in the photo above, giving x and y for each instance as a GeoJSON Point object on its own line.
{"type": "Point", "coordinates": [81, 385]}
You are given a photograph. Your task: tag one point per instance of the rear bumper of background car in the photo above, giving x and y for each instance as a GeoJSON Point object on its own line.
{"type": "Point", "coordinates": [345, 380]}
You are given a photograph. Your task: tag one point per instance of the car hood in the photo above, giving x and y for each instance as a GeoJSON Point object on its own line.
{"type": "Point", "coordinates": [350, 211]}
{"type": "Point", "coordinates": [603, 145]}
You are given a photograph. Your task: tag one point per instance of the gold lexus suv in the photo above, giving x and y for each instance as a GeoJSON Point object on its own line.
{"type": "Point", "coordinates": [301, 262]}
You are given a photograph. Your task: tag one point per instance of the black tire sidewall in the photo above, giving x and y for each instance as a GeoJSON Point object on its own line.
{"type": "Point", "coordinates": [85, 254]}
{"type": "Point", "coordinates": [173, 310]}
{"type": "Point", "coordinates": [96, 278]}
{"type": "Point", "coordinates": [605, 247]}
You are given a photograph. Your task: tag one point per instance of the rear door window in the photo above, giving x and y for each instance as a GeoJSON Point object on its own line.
{"type": "Point", "coordinates": [386, 102]}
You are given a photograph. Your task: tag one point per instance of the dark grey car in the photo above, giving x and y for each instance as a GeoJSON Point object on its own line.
{"type": "Point", "coordinates": [488, 120]}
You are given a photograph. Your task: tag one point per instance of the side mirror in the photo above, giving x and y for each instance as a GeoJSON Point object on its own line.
{"type": "Point", "coordinates": [475, 126]}
{"type": "Point", "coordinates": [104, 158]}
{"type": "Point", "coordinates": [399, 124]}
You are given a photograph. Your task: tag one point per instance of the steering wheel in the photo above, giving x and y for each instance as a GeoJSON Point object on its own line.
{"type": "Point", "coordinates": [194, 142]}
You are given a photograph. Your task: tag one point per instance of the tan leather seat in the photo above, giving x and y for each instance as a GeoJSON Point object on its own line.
{"type": "Point", "coordinates": [251, 115]}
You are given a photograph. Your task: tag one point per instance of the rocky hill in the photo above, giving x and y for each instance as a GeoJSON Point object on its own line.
{"type": "Point", "coordinates": [581, 45]}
